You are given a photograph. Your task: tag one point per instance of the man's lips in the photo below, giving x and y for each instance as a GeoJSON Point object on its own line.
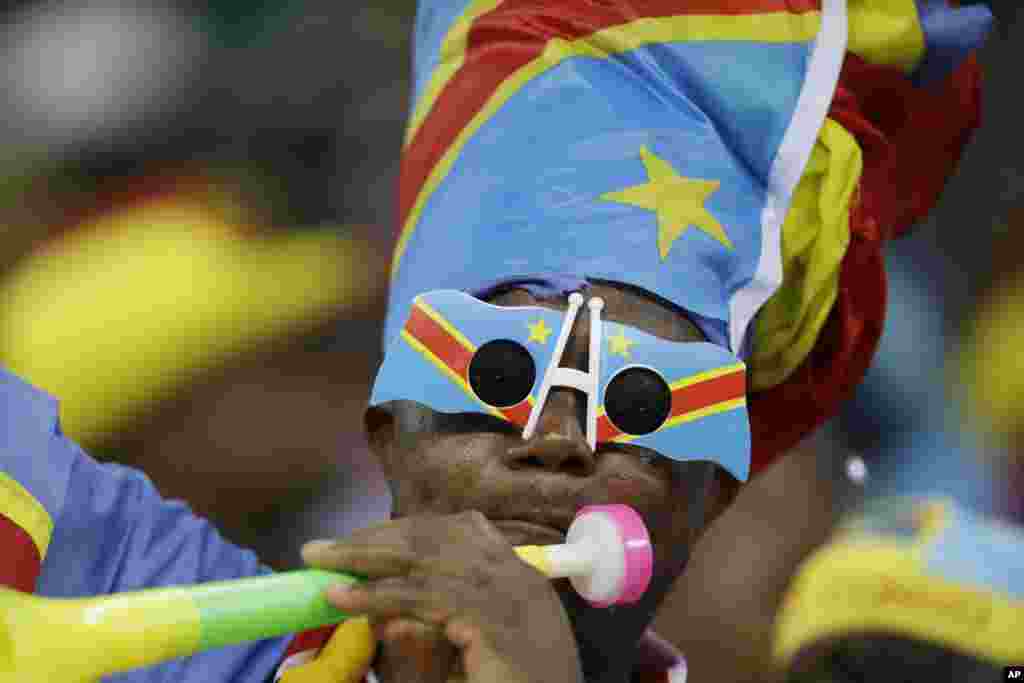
{"type": "Point", "coordinates": [521, 532]}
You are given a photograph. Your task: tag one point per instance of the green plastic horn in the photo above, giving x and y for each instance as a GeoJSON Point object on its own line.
{"type": "Point", "coordinates": [607, 556]}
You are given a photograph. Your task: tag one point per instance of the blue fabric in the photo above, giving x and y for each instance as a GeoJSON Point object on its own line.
{"type": "Point", "coordinates": [113, 532]}
{"type": "Point", "coordinates": [32, 451]}
{"type": "Point", "coordinates": [526, 194]}
{"type": "Point", "coordinates": [968, 549]}
{"type": "Point", "coordinates": [935, 462]}
{"type": "Point", "coordinates": [950, 34]}
{"type": "Point", "coordinates": [433, 20]}
{"type": "Point", "coordinates": [973, 551]}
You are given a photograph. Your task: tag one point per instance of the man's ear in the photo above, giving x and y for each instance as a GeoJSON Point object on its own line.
{"type": "Point", "coordinates": [379, 422]}
{"type": "Point", "coordinates": [723, 493]}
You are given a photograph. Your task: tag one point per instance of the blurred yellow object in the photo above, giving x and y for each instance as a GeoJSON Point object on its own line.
{"type": "Point", "coordinates": [815, 236]}
{"type": "Point", "coordinates": [991, 368]}
{"type": "Point", "coordinates": [344, 659]}
{"type": "Point", "coordinates": [925, 585]}
{"type": "Point", "coordinates": [126, 310]}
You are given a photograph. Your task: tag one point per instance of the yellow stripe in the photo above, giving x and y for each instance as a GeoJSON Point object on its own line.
{"type": "Point", "coordinates": [699, 377]}
{"type": "Point", "coordinates": [705, 376]}
{"type": "Point", "coordinates": [690, 417]}
{"type": "Point", "coordinates": [704, 412]}
{"type": "Point", "coordinates": [436, 317]}
{"type": "Point", "coordinates": [450, 59]}
{"type": "Point", "coordinates": [461, 383]}
{"type": "Point", "coordinates": [880, 586]}
{"type": "Point", "coordinates": [22, 508]}
{"type": "Point", "coordinates": [776, 27]}
{"type": "Point", "coordinates": [887, 32]}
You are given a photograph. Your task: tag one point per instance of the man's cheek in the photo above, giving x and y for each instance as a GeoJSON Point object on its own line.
{"type": "Point", "coordinates": [462, 478]}
{"type": "Point", "coordinates": [629, 491]}
{"type": "Point", "coordinates": [416, 492]}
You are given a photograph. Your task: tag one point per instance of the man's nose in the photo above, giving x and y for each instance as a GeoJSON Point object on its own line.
{"type": "Point", "coordinates": [559, 444]}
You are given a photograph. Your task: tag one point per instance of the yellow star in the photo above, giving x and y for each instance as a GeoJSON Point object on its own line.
{"type": "Point", "coordinates": [539, 332]}
{"type": "Point", "coordinates": [678, 201]}
{"type": "Point", "coordinates": [620, 344]}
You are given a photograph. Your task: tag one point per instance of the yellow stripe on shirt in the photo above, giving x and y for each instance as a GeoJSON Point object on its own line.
{"type": "Point", "coordinates": [22, 508]}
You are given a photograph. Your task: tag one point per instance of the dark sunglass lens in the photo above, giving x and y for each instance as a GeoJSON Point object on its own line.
{"type": "Point", "coordinates": [637, 401]}
{"type": "Point", "coordinates": [502, 373]}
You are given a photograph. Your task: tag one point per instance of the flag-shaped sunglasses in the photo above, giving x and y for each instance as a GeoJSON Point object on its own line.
{"type": "Point", "coordinates": [684, 400]}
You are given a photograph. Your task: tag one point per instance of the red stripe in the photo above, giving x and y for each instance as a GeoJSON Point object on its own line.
{"type": "Point", "coordinates": [20, 567]}
{"type": "Point", "coordinates": [689, 398]}
{"type": "Point", "coordinates": [708, 393]}
{"type": "Point", "coordinates": [513, 34]}
{"type": "Point", "coordinates": [455, 356]}
{"type": "Point", "coordinates": [606, 431]}
{"type": "Point", "coordinates": [518, 414]}
{"type": "Point", "coordinates": [309, 640]}
{"type": "Point", "coordinates": [443, 345]}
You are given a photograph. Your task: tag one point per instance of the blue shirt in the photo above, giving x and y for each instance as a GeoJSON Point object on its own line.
{"type": "Point", "coordinates": [113, 532]}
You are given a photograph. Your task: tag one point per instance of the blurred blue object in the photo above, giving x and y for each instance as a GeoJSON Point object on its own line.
{"type": "Point", "coordinates": [903, 420]}
{"type": "Point", "coordinates": [936, 461]}
{"type": "Point", "coordinates": [905, 386]}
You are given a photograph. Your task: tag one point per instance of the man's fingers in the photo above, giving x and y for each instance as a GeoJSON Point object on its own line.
{"type": "Point", "coordinates": [462, 633]}
{"type": "Point", "coordinates": [423, 644]}
{"type": "Point", "coordinates": [392, 598]}
{"type": "Point", "coordinates": [479, 660]}
{"type": "Point", "coordinates": [397, 547]}
{"type": "Point", "coordinates": [414, 651]}
{"type": "Point", "coordinates": [369, 561]}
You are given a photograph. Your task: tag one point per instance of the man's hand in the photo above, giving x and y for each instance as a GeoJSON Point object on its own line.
{"type": "Point", "coordinates": [435, 582]}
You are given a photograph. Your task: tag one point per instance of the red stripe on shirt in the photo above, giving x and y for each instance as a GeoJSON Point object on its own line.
{"type": "Point", "coordinates": [21, 562]}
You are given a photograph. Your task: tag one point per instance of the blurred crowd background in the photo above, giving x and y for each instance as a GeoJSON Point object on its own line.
{"type": "Point", "coordinates": [195, 225]}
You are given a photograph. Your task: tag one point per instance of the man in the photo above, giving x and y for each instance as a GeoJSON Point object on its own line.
{"type": "Point", "coordinates": [597, 200]}
{"type": "Point", "coordinates": [801, 365]}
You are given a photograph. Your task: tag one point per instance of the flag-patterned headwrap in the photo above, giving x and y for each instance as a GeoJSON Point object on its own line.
{"type": "Point", "coordinates": [742, 159]}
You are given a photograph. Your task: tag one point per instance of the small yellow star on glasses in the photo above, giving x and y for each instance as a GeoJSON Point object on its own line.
{"type": "Point", "coordinates": [539, 332]}
{"type": "Point", "coordinates": [620, 344]}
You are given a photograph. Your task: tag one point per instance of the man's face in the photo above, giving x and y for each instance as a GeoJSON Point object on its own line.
{"type": "Point", "coordinates": [531, 489]}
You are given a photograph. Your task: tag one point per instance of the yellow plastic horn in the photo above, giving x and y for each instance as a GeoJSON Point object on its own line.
{"type": "Point", "coordinates": [43, 640]}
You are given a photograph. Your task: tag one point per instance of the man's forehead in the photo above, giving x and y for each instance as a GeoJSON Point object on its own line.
{"type": "Point", "coordinates": [624, 305]}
